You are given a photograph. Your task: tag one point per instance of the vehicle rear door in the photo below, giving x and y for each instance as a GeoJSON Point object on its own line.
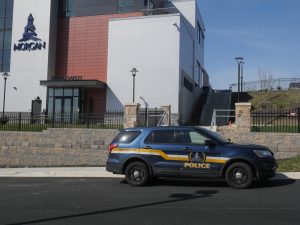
{"type": "Point", "coordinates": [162, 151]}
{"type": "Point", "coordinates": [198, 159]}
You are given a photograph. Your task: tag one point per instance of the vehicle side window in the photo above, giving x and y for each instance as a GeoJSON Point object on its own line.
{"type": "Point", "coordinates": [161, 137]}
{"type": "Point", "coordinates": [193, 137]}
{"type": "Point", "coordinates": [127, 136]}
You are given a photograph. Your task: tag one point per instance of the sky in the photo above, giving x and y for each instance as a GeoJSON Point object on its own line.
{"type": "Point", "coordinates": [266, 33]}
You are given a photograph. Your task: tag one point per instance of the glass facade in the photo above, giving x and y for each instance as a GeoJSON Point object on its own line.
{"type": "Point", "coordinates": [74, 8]}
{"type": "Point", "coordinates": [65, 100]}
{"type": "Point", "coordinates": [6, 17]}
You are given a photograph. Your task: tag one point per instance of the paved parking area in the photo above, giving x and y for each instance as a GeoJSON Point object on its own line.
{"type": "Point", "coordinates": [112, 201]}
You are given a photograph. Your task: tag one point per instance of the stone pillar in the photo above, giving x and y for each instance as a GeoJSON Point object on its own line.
{"type": "Point", "coordinates": [131, 112]}
{"type": "Point", "coordinates": [167, 109]}
{"type": "Point", "coordinates": [242, 116]}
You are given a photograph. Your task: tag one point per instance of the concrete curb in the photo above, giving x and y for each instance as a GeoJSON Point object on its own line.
{"type": "Point", "coordinates": [88, 172]}
{"type": "Point", "coordinates": [57, 172]}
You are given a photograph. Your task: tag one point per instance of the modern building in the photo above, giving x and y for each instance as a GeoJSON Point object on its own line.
{"type": "Point", "coordinates": [78, 55]}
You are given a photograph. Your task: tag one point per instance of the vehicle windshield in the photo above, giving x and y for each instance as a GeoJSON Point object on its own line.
{"type": "Point", "coordinates": [215, 136]}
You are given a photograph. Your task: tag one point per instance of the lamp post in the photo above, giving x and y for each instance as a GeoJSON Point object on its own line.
{"type": "Point", "coordinates": [239, 60]}
{"type": "Point", "coordinates": [133, 71]}
{"type": "Point", "coordinates": [5, 75]}
{"type": "Point", "coordinates": [242, 77]}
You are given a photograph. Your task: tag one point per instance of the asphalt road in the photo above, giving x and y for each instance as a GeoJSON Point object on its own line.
{"type": "Point", "coordinates": [112, 201]}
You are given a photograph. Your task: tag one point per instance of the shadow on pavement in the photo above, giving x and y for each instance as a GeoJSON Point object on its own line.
{"type": "Point", "coordinates": [177, 197]}
{"type": "Point", "coordinates": [215, 183]}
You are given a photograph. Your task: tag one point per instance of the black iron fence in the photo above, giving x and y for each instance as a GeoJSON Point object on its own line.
{"type": "Point", "coordinates": [26, 122]}
{"type": "Point", "coordinates": [276, 120]}
{"type": "Point", "coordinates": [150, 117]}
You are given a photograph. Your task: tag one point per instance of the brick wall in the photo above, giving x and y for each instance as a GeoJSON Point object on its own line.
{"type": "Point", "coordinates": [82, 46]}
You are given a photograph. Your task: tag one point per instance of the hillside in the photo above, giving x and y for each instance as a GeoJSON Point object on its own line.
{"type": "Point", "coordinates": [270, 99]}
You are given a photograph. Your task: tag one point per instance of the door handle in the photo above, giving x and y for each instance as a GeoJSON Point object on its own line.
{"type": "Point", "coordinates": [147, 147]}
{"type": "Point", "coordinates": [186, 149]}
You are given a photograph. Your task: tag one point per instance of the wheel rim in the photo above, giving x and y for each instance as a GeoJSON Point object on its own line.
{"type": "Point", "coordinates": [136, 174]}
{"type": "Point", "coordinates": [239, 176]}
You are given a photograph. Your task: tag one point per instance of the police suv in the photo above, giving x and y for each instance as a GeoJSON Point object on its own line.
{"type": "Point", "coordinates": [186, 152]}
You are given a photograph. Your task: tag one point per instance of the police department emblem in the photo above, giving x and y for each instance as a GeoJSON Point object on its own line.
{"type": "Point", "coordinates": [197, 157]}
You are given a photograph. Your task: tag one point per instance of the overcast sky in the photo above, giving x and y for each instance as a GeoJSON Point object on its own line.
{"type": "Point", "coordinates": [265, 32]}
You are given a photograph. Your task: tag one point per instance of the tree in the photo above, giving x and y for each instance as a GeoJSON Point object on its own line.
{"type": "Point", "coordinates": [266, 80]}
{"type": "Point", "coordinates": [266, 85]}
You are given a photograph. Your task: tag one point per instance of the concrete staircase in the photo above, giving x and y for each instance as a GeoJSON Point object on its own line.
{"type": "Point", "coordinates": [215, 100]}
{"type": "Point", "coordinates": [55, 147]}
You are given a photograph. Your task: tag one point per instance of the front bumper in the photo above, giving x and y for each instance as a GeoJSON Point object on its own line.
{"type": "Point", "coordinates": [266, 169]}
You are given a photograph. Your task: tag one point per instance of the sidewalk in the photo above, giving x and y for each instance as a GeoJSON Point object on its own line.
{"type": "Point", "coordinates": [87, 172]}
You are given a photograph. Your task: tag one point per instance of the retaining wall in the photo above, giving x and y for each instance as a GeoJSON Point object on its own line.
{"type": "Point", "coordinates": [284, 145]}
{"type": "Point", "coordinates": [55, 147]}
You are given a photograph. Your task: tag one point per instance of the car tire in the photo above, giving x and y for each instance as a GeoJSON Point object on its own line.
{"type": "Point", "coordinates": [239, 175]}
{"type": "Point", "coordinates": [137, 174]}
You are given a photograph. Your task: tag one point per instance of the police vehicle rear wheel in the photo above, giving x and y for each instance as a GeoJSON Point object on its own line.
{"type": "Point", "coordinates": [137, 174]}
{"type": "Point", "coordinates": [239, 175]}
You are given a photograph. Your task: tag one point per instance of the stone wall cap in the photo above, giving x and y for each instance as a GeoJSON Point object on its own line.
{"type": "Point", "coordinates": [243, 104]}
{"type": "Point", "coordinates": [132, 104]}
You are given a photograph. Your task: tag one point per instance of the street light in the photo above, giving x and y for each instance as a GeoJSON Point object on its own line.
{"type": "Point", "coordinates": [133, 71]}
{"type": "Point", "coordinates": [242, 76]}
{"type": "Point", "coordinates": [5, 75]}
{"type": "Point", "coordinates": [239, 60]}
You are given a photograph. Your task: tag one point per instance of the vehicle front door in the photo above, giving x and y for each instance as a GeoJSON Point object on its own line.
{"type": "Point", "coordinates": [201, 159]}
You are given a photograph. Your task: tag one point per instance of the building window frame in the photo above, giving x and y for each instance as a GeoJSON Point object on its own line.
{"type": "Point", "coordinates": [200, 34]}
{"type": "Point", "coordinates": [125, 6]}
{"type": "Point", "coordinates": [6, 16]}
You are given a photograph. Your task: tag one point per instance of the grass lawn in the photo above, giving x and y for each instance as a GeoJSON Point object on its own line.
{"type": "Point", "coordinates": [289, 165]}
{"type": "Point", "coordinates": [275, 99]}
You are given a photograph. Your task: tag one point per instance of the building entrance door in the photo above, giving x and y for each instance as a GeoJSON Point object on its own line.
{"type": "Point", "coordinates": [63, 108]}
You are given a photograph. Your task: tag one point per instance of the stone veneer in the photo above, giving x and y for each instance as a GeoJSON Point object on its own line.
{"type": "Point", "coordinates": [284, 145]}
{"type": "Point", "coordinates": [55, 147]}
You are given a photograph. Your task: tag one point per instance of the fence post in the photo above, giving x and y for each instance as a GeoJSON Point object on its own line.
{"type": "Point", "coordinates": [20, 120]}
{"type": "Point", "coordinates": [52, 121]}
{"type": "Point", "coordinates": [146, 116]}
{"type": "Point", "coordinates": [88, 121]}
{"type": "Point", "coordinates": [298, 115]}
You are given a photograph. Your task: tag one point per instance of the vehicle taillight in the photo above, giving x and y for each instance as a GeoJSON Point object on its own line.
{"type": "Point", "coordinates": [111, 147]}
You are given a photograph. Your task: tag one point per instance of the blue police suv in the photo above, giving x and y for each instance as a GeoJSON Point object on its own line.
{"type": "Point", "coordinates": [186, 152]}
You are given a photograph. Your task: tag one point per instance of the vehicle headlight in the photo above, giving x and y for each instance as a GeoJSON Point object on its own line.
{"type": "Point", "coordinates": [263, 153]}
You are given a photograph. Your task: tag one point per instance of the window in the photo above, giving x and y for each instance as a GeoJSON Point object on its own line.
{"type": "Point", "coordinates": [162, 137]}
{"type": "Point", "coordinates": [199, 74]}
{"type": "Point", "coordinates": [187, 84]}
{"type": "Point", "coordinates": [63, 100]}
{"type": "Point", "coordinates": [125, 5]}
{"type": "Point", "coordinates": [127, 137]}
{"type": "Point", "coordinates": [200, 34]}
{"type": "Point", "coordinates": [194, 137]}
{"type": "Point", "coordinates": [6, 12]}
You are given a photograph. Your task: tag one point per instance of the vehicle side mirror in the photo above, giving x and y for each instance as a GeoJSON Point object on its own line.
{"type": "Point", "coordinates": [210, 143]}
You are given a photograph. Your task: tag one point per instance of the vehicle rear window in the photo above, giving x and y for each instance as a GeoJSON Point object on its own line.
{"type": "Point", "coordinates": [127, 136]}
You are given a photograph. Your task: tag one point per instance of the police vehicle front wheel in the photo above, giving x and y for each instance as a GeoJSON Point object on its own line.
{"type": "Point", "coordinates": [137, 174]}
{"type": "Point", "coordinates": [239, 175]}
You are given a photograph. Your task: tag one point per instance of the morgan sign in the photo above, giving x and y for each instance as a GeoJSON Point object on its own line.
{"type": "Point", "coordinates": [30, 41]}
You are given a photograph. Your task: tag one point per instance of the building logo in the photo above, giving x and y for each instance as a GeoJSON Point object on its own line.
{"type": "Point", "coordinates": [30, 41]}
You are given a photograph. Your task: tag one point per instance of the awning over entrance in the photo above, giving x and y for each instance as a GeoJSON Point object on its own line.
{"type": "Point", "coordinates": [73, 83]}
